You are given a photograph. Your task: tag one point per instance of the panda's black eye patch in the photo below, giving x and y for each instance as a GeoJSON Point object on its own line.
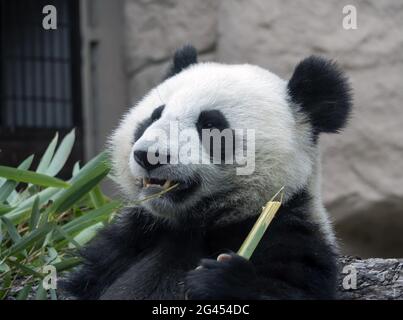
{"type": "Point", "coordinates": [211, 119]}
{"type": "Point", "coordinates": [157, 113]}
{"type": "Point", "coordinates": [146, 123]}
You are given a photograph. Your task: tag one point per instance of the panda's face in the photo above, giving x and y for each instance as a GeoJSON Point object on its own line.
{"type": "Point", "coordinates": [267, 117]}
{"type": "Point", "coordinates": [208, 96]}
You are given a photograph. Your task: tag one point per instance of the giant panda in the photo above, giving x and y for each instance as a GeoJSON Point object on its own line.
{"type": "Point", "coordinates": [183, 244]}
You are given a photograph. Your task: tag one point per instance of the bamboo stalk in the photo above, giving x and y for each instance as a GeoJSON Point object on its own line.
{"type": "Point", "coordinates": [153, 196]}
{"type": "Point", "coordinates": [261, 225]}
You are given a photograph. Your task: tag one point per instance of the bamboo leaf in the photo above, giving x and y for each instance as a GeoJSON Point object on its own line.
{"type": "Point", "coordinates": [4, 288]}
{"type": "Point", "coordinates": [24, 292]}
{"type": "Point", "coordinates": [11, 230]}
{"type": "Point", "coordinates": [76, 168]}
{"type": "Point", "coordinates": [31, 177]}
{"type": "Point", "coordinates": [8, 187]}
{"type": "Point", "coordinates": [5, 209]}
{"type": "Point", "coordinates": [53, 295]}
{"type": "Point", "coordinates": [67, 264]}
{"type": "Point", "coordinates": [41, 293]}
{"type": "Point", "coordinates": [67, 237]}
{"type": "Point", "coordinates": [97, 197]}
{"type": "Point", "coordinates": [48, 155]}
{"type": "Point", "coordinates": [94, 216]}
{"type": "Point", "coordinates": [25, 269]}
{"type": "Point", "coordinates": [32, 239]}
{"type": "Point", "coordinates": [87, 234]}
{"type": "Point", "coordinates": [25, 207]}
{"type": "Point", "coordinates": [61, 155]}
{"type": "Point", "coordinates": [4, 267]}
{"type": "Point", "coordinates": [33, 221]}
{"type": "Point", "coordinates": [96, 164]}
{"type": "Point", "coordinates": [88, 177]}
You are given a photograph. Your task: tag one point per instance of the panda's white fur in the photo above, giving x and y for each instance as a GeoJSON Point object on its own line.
{"type": "Point", "coordinates": [151, 250]}
{"type": "Point", "coordinates": [250, 98]}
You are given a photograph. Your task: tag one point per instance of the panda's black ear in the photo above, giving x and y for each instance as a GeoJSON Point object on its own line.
{"type": "Point", "coordinates": [183, 58]}
{"type": "Point", "coordinates": [322, 91]}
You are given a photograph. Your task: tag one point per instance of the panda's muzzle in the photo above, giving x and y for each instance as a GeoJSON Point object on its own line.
{"type": "Point", "coordinates": [153, 182]}
{"type": "Point", "coordinates": [160, 177]}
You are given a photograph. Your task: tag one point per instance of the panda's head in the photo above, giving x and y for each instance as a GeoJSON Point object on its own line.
{"type": "Point", "coordinates": [273, 123]}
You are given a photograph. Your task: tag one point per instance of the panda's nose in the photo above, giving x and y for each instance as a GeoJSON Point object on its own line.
{"type": "Point", "coordinates": [141, 158]}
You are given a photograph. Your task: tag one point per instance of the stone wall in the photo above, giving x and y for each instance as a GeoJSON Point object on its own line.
{"type": "Point", "coordinates": [363, 167]}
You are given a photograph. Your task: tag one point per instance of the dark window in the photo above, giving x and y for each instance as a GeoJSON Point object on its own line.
{"type": "Point", "coordinates": [40, 77]}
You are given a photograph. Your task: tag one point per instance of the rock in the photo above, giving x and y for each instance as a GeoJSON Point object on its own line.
{"type": "Point", "coordinates": [155, 29]}
{"type": "Point", "coordinates": [376, 279]}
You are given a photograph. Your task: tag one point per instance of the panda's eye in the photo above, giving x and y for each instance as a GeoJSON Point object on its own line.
{"type": "Point", "coordinates": [212, 119]}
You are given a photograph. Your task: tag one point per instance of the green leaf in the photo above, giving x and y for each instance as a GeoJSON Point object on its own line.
{"type": "Point", "coordinates": [24, 292]}
{"type": "Point", "coordinates": [76, 168]}
{"type": "Point", "coordinates": [67, 264]}
{"type": "Point", "coordinates": [11, 230]}
{"type": "Point", "coordinates": [32, 239]}
{"type": "Point", "coordinates": [87, 234]}
{"type": "Point", "coordinates": [25, 206]}
{"type": "Point", "coordinates": [48, 155]}
{"type": "Point", "coordinates": [96, 164]}
{"type": "Point", "coordinates": [88, 177]}
{"type": "Point", "coordinates": [4, 267]}
{"type": "Point", "coordinates": [68, 238]}
{"type": "Point", "coordinates": [90, 218]}
{"type": "Point", "coordinates": [97, 197]}
{"type": "Point", "coordinates": [5, 209]}
{"type": "Point", "coordinates": [33, 221]}
{"type": "Point", "coordinates": [14, 198]}
{"type": "Point", "coordinates": [53, 295]}
{"type": "Point", "coordinates": [48, 237]}
{"type": "Point", "coordinates": [61, 155]}
{"type": "Point", "coordinates": [77, 191]}
{"type": "Point", "coordinates": [25, 269]}
{"type": "Point", "coordinates": [6, 283]}
{"type": "Point", "coordinates": [8, 187]}
{"type": "Point", "coordinates": [41, 293]}
{"type": "Point", "coordinates": [31, 177]}
{"type": "Point", "coordinates": [52, 256]}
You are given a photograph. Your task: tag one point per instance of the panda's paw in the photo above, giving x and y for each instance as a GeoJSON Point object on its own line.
{"type": "Point", "coordinates": [229, 277]}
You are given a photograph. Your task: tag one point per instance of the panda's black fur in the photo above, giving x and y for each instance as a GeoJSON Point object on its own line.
{"type": "Point", "coordinates": [322, 91]}
{"type": "Point", "coordinates": [291, 262]}
{"type": "Point", "coordinates": [140, 256]}
{"type": "Point", "coordinates": [183, 58]}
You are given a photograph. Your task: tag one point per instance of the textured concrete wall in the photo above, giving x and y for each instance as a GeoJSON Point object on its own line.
{"type": "Point", "coordinates": [363, 167]}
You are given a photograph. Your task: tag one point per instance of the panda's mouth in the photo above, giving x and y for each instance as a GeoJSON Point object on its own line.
{"type": "Point", "coordinates": [175, 189]}
{"type": "Point", "coordinates": [163, 183]}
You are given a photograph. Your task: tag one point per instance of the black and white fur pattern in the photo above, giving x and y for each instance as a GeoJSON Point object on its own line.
{"type": "Point", "coordinates": [152, 251]}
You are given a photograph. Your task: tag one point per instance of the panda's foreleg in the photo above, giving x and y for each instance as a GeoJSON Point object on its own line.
{"type": "Point", "coordinates": [236, 278]}
{"type": "Point", "coordinates": [293, 261]}
{"type": "Point", "coordinates": [229, 277]}
{"type": "Point", "coordinates": [108, 255]}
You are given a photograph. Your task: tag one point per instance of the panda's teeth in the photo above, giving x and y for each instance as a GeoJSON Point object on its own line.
{"type": "Point", "coordinates": [167, 184]}
{"type": "Point", "coordinates": [146, 183]}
